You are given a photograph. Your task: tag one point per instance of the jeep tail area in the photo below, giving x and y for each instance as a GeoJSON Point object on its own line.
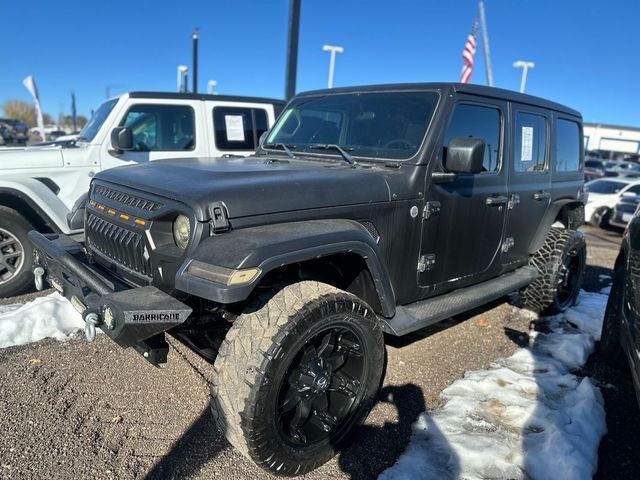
{"type": "Point", "coordinates": [365, 210]}
{"type": "Point", "coordinates": [45, 187]}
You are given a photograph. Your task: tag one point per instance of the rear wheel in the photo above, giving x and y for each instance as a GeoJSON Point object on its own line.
{"type": "Point", "coordinates": [16, 258]}
{"type": "Point", "coordinates": [561, 264]}
{"type": "Point", "coordinates": [295, 376]}
{"type": "Point", "coordinates": [610, 346]}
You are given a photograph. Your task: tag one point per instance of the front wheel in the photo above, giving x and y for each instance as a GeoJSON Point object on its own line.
{"type": "Point", "coordinates": [561, 264]}
{"type": "Point", "coordinates": [294, 377]}
{"type": "Point", "coordinates": [601, 218]}
{"type": "Point", "coordinates": [16, 258]}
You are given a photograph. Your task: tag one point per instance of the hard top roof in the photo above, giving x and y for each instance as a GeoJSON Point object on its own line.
{"type": "Point", "coordinates": [204, 96]}
{"type": "Point", "coordinates": [471, 89]}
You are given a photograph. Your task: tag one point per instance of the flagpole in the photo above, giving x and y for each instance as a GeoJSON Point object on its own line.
{"type": "Point", "coordinates": [485, 45]}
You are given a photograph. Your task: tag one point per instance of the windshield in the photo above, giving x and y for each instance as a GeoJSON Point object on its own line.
{"type": "Point", "coordinates": [387, 125]}
{"type": "Point", "coordinates": [604, 186]}
{"type": "Point", "coordinates": [91, 129]}
{"type": "Point", "coordinates": [593, 164]}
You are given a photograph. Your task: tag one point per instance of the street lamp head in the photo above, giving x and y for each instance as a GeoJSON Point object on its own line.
{"type": "Point", "coordinates": [335, 48]}
{"type": "Point", "coordinates": [523, 64]}
{"type": "Point", "coordinates": [183, 69]}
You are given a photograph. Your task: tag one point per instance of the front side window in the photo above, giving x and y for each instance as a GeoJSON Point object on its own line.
{"type": "Point", "coordinates": [530, 143]}
{"type": "Point", "coordinates": [239, 128]}
{"type": "Point", "coordinates": [169, 128]}
{"type": "Point", "coordinates": [567, 146]}
{"type": "Point", "coordinates": [477, 122]}
{"type": "Point", "coordinates": [635, 189]}
{"type": "Point", "coordinates": [386, 125]}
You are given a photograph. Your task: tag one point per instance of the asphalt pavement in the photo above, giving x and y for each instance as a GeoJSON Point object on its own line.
{"type": "Point", "coordinates": [92, 410]}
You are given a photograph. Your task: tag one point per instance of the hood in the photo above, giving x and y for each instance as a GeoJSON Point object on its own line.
{"type": "Point", "coordinates": [254, 185]}
{"type": "Point", "coordinates": [30, 157]}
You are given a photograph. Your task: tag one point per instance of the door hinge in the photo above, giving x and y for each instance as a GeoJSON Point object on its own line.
{"type": "Point", "coordinates": [514, 199]}
{"type": "Point", "coordinates": [508, 244]}
{"type": "Point", "coordinates": [430, 209]}
{"type": "Point", "coordinates": [426, 262]}
{"type": "Point", "coordinates": [219, 221]}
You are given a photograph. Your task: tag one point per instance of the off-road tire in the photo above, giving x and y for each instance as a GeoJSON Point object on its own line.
{"type": "Point", "coordinates": [600, 218]}
{"type": "Point", "coordinates": [14, 223]}
{"type": "Point", "coordinates": [610, 347]}
{"type": "Point", "coordinates": [255, 356]}
{"type": "Point", "coordinates": [541, 296]}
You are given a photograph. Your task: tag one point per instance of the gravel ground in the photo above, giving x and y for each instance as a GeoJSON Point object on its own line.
{"type": "Point", "coordinates": [95, 411]}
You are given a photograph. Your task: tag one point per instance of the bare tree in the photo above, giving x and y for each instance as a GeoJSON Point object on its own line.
{"type": "Point", "coordinates": [20, 110]}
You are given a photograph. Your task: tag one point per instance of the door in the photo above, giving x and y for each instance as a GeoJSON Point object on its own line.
{"type": "Point", "coordinates": [530, 181]}
{"type": "Point", "coordinates": [167, 130]}
{"type": "Point", "coordinates": [461, 240]}
{"type": "Point", "coordinates": [237, 128]}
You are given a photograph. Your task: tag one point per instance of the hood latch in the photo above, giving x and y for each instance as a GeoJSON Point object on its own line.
{"type": "Point", "coordinates": [219, 218]}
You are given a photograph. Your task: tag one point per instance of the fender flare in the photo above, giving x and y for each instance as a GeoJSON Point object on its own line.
{"type": "Point", "coordinates": [548, 219]}
{"type": "Point", "coordinates": [269, 247]}
{"type": "Point", "coordinates": [40, 199]}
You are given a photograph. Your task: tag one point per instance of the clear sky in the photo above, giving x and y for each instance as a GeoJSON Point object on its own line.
{"type": "Point", "coordinates": [586, 52]}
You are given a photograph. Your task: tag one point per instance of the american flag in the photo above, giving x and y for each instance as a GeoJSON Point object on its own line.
{"type": "Point", "coordinates": [468, 53]}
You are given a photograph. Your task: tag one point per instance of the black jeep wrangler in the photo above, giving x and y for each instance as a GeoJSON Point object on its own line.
{"type": "Point", "coordinates": [365, 210]}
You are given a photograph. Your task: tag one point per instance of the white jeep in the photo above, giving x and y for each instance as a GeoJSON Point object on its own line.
{"type": "Point", "coordinates": [45, 187]}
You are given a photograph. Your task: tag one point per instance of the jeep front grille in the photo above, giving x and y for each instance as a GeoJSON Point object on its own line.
{"type": "Point", "coordinates": [127, 199]}
{"type": "Point", "coordinates": [119, 244]}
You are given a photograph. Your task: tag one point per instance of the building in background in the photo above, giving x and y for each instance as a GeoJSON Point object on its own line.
{"type": "Point", "coordinates": [612, 141]}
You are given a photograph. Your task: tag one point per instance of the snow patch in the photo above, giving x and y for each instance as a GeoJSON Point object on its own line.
{"type": "Point", "coordinates": [50, 316]}
{"type": "Point", "coordinates": [526, 416]}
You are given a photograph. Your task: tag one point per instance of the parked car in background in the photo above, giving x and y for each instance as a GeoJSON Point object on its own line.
{"type": "Point", "coordinates": [624, 210]}
{"type": "Point", "coordinates": [594, 169]}
{"type": "Point", "coordinates": [45, 187]}
{"type": "Point", "coordinates": [620, 339]}
{"type": "Point", "coordinates": [604, 194]}
{"type": "Point", "coordinates": [615, 167]}
{"type": "Point", "coordinates": [18, 131]}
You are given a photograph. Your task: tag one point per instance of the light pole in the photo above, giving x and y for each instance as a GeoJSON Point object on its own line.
{"type": "Point", "coordinates": [525, 66]}
{"type": "Point", "coordinates": [182, 71]}
{"type": "Point", "coordinates": [211, 84]}
{"type": "Point", "coordinates": [333, 49]}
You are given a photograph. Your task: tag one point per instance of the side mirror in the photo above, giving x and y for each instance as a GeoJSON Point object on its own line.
{"type": "Point", "coordinates": [464, 155]}
{"type": "Point", "coordinates": [628, 194]}
{"type": "Point", "coordinates": [121, 139]}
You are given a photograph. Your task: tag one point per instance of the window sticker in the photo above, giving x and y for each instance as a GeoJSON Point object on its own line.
{"type": "Point", "coordinates": [235, 128]}
{"type": "Point", "coordinates": [527, 144]}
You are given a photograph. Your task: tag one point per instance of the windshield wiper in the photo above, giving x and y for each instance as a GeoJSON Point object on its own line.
{"type": "Point", "coordinates": [332, 146]}
{"type": "Point", "coordinates": [286, 148]}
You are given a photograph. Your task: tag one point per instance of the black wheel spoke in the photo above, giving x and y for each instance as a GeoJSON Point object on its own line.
{"type": "Point", "coordinates": [301, 415]}
{"type": "Point", "coordinates": [328, 344]}
{"type": "Point", "coordinates": [336, 361]}
{"type": "Point", "coordinates": [308, 353]}
{"type": "Point", "coordinates": [291, 401]}
{"type": "Point", "coordinates": [350, 347]}
{"type": "Point", "coordinates": [345, 384]}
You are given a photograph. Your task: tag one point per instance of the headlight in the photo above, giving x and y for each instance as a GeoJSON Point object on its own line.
{"type": "Point", "coordinates": [181, 231]}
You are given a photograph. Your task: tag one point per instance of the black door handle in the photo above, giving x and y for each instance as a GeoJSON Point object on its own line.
{"type": "Point", "coordinates": [496, 201]}
{"type": "Point", "coordinates": [541, 195]}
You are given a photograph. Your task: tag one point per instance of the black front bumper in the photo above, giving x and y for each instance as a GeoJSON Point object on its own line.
{"type": "Point", "coordinates": [132, 317]}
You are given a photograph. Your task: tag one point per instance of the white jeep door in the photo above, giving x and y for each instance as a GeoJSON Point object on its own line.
{"type": "Point", "coordinates": [160, 129]}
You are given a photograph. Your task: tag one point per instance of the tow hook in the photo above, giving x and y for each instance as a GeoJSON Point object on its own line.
{"type": "Point", "coordinates": [38, 274]}
{"type": "Point", "coordinates": [92, 320]}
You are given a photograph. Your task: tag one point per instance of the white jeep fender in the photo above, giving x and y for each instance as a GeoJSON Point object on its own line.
{"type": "Point", "coordinates": [40, 198]}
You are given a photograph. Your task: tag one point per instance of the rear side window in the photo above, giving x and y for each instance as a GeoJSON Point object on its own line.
{"type": "Point", "coordinates": [477, 122]}
{"type": "Point", "coordinates": [169, 128]}
{"type": "Point", "coordinates": [567, 146]}
{"type": "Point", "coordinates": [530, 142]}
{"type": "Point", "coordinates": [238, 128]}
